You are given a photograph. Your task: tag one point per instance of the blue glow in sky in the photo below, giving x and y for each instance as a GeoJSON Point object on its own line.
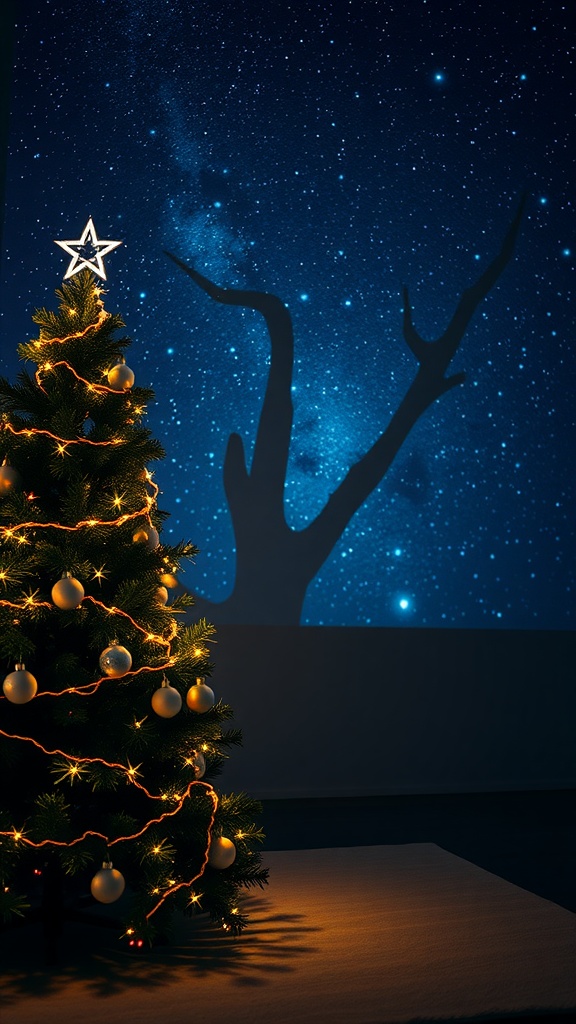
{"type": "Point", "coordinates": [328, 154]}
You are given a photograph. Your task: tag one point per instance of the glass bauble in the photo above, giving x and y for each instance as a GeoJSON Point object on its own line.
{"type": "Point", "coordinates": [200, 698]}
{"type": "Point", "coordinates": [115, 661]}
{"type": "Point", "coordinates": [166, 701]}
{"type": "Point", "coordinates": [121, 377]}
{"type": "Point", "coordinates": [10, 480]}
{"type": "Point", "coordinates": [161, 595]}
{"type": "Point", "coordinates": [68, 593]}
{"type": "Point", "coordinates": [168, 579]}
{"type": "Point", "coordinates": [222, 853]}
{"type": "Point", "coordinates": [19, 686]}
{"type": "Point", "coordinates": [147, 535]}
{"type": "Point", "coordinates": [108, 884]}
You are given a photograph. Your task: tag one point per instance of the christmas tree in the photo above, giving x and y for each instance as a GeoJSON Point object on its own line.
{"type": "Point", "coordinates": [110, 735]}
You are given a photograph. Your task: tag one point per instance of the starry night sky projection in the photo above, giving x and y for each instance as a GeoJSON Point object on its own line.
{"type": "Point", "coordinates": [328, 153]}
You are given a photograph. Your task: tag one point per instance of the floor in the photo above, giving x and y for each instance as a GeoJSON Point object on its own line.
{"type": "Point", "coordinates": [526, 838]}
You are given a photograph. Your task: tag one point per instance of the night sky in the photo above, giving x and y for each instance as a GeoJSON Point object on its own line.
{"type": "Point", "coordinates": [328, 153]}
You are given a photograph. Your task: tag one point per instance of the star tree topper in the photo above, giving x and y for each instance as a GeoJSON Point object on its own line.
{"type": "Point", "coordinates": [80, 247]}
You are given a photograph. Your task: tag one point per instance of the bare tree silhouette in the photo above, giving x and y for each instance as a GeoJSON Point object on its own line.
{"type": "Point", "coordinates": [274, 563]}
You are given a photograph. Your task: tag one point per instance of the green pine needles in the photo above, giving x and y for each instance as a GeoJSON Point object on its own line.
{"type": "Point", "coordinates": [101, 789]}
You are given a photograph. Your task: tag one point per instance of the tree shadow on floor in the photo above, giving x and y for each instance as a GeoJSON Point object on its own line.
{"type": "Point", "coordinates": [97, 963]}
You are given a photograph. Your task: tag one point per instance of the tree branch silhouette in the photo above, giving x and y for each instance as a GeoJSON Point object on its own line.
{"type": "Point", "coordinates": [275, 564]}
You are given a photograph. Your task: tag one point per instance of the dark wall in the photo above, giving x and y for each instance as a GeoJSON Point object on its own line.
{"type": "Point", "coordinates": [328, 712]}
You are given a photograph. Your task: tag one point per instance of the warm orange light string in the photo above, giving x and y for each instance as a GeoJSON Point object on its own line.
{"type": "Point", "coordinates": [88, 689]}
{"type": "Point", "coordinates": [30, 431]}
{"type": "Point", "coordinates": [102, 316]}
{"type": "Point", "coordinates": [74, 759]}
{"type": "Point", "coordinates": [28, 603]}
{"type": "Point", "coordinates": [9, 531]}
{"type": "Point", "coordinates": [21, 837]}
{"type": "Point", "coordinates": [152, 637]}
{"type": "Point", "coordinates": [100, 388]}
{"type": "Point", "coordinates": [189, 884]}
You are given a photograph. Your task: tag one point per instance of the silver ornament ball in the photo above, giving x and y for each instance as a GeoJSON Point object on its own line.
{"type": "Point", "coordinates": [10, 480]}
{"type": "Point", "coordinates": [200, 698]}
{"type": "Point", "coordinates": [121, 377]}
{"type": "Point", "coordinates": [222, 853]}
{"type": "Point", "coordinates": [115, 661]}
{"type": "Point", "coordinates": [68, 593]}
{"type": "Point", "coordinates": [168, 579]}
{"type": "Point", "coordinates": [166, 701]}
{"type": "Point", "coordinates": [108, 884]}
{"type": "Point", "coordinates": [147, 535]}
{"type": "Point", "coordinates": [19, 686]}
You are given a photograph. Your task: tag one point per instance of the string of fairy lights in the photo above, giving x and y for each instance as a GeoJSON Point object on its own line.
{"type": "Point", "coordinates": [115, 661]}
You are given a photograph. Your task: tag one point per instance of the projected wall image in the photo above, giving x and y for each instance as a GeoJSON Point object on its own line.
{"type": "Point", "coordinates": [414, 465]}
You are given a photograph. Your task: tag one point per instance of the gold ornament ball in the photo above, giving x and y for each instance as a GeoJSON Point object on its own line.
{"type": "Point", "coordinates": [147, 535]}
{"type": "Point", "coordinates": [10, 480]}
{"type": "Point", "coordinates": [115, 661]}
{"type": "Point", "coordinates": [121, 377]}
{"type": "Point", "coordinates": [222, 853]}
{"type": "Point", "coordinates": [68, 593]}
{"type": "Point", "coordinates": [200, 698]}
{"type": "Point", "coordinates": [161, 595]}
{"type": "Point", "coordinates": [108, 884]}
{"type": "Point", "coordinates": [166, 701]}
{"type": "Point", "coordinates": [19, 686]}
{"type": "Point", "coordinates": [169, 580]}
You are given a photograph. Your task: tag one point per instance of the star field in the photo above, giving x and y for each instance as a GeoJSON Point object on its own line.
{"type": "Point", "coordinates": [328, 153]}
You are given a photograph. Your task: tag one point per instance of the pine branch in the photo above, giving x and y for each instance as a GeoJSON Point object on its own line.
{"type": "Point", "coordinates": [12, 904]}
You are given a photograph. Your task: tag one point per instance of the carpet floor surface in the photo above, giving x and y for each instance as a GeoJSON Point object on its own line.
{"type": "Point", "coordinates": [356, 935]}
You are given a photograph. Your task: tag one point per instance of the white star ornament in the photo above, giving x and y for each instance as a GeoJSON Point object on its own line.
{"type": "Point", "coordinates": [76, 248]}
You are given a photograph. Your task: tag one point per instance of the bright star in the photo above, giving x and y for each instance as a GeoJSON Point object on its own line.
{"type": "Point", "coordinates": [79, 261]}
